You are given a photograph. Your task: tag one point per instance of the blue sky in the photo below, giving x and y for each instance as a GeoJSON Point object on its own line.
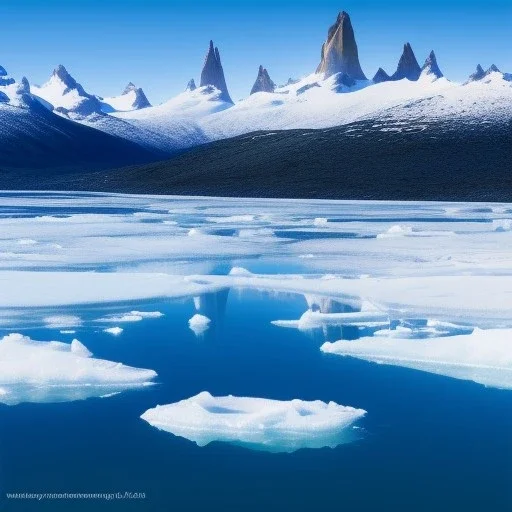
{"type": "Point", "coordinates": [160, 45]}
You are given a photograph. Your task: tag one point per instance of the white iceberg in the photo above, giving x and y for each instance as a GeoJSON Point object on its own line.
{"type": "Point", "coordinates": [115, 331]}
{"type": "Point", "coordinates": [36, 371]}
{"type": "Point", "coordinates": [484, 356]}
{"type": "Point", "coordinates": [315, 319]}
{"type": "Point", "coordinates": [257, 423]}
{"type": "Point", "coordinates": [199, 324]}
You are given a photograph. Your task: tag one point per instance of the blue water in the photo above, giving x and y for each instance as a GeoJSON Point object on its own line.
{"type": "Point", "coordinates": [429, 443]}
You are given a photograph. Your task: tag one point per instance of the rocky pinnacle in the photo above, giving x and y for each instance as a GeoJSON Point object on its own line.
{"type": "Point", "coordinates": [381, 76]}
{"type": "Point", "coordinates": [263, 82]}
{"type": "Point", "coordinates": [213, 74]}
{"type": "Point", "coordinates": [408, 66]}
{"type": "Point", "coordinates": [339, 52]}
{"type": "Point", "coordinates": [191, 86]}
{"type": "Point", "coordinates": [431, 67]}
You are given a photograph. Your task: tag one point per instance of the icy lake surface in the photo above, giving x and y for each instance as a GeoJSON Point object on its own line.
{"type": "Point", "coordinates": [307, 355]}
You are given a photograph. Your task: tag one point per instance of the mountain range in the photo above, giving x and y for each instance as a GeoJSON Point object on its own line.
{"type": "Point", "coordinates": [59, 127]}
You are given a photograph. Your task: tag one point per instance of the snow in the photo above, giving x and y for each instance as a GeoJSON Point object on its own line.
{"type": "Point", "coordinates": [122, 103]}
{"type": "Point", "coordinates": [258, 423]}
{"type": "Point", "coordinates": [484, 356]}
{"type": "Point", "coordinates": [199, 324]}
{"type": "Point", "coordinates": [195, 117]}
{"type": "Point", "coordinates": [37, 371]}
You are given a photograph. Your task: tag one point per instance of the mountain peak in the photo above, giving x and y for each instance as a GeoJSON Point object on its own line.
{"type": "Point", "coordinates": [191, 86]}
{"type": "Point", "coordinates": [130, 87]}
{"type": "Point", "coordinates": [263, 82]}
{"type": "Point", "coordinates": [381, 76]}
{"type": "Point", "coordinates": [431, 67]}
{"type": "Point", "coordinates": [492, 69]}
{"type": "Point", "coordinates": [213, 73]}
{"type": "Point", "coordinates": [339, 52]}
{"type": "Point", "coordinates": [3, 71]}
{"type": "Point", "coordinates": [408, 66]}
{"type": "Point", "coordinates": [477, 75]}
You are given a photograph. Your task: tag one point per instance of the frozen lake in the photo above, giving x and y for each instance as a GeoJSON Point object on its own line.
{"type": "Point", "coordinates": [152, 300]}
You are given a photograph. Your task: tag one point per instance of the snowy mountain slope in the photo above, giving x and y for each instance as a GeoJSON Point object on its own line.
{"type": "Point", "coordinates": [33, 137]}
{"type": "Point", "coordinates": [313, 103]}
{"type": "Point", "coordinates": [132, 98]}
{"type": "Point", "coordinates": [66, 95]}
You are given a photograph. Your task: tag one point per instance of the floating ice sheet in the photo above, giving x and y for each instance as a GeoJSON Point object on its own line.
{"type": "Point", "coordinates": [36, 371]}
{"type": "Point", "coordinates": [258, 423]}
{"type": "Point", "coordinates": [484, 356]}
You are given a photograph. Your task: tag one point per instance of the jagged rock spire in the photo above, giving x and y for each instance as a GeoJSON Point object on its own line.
{"type": "Point", "coordinates": [492, 69]}
{"type": "Point", "coordinates": [263, 82]}
{"type": "Point", "coordinates": [431, 67]}
{"type": "Point", "coordinates": [141, 100]}
{"type": "Point", "coordinates": [339, 52]}
{"type": "Point", "coordinates": [213, 74]}
{"type": "Point", "coordinates": [477, 75]}
{"type": "Point", "coordinates": [191, 86]}
{"type": "Point", "coordinates": [381, 76]}
{"type": "Point", "coordinates": [3, 71]}
{"type": "Point", "coordinates": [408, 66]}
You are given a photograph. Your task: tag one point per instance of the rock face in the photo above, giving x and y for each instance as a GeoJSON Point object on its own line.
{"type": "Point", "coordinates": [140, 99]}
{"type": "Point", "coordinates": [191, 86]}
{"type": "Point", "coordinates": [5, 79]}
{"type": "Point", "coordinates": [342, 82]}
{"type": "Point", "coordinates": [381, 76]}
{"type": "Point", "coordinates": [339, 52]}
{"type": "Point", "coordinates": [263, 82]}
{"type": "Point", "coordinates": [477, 75]}
{"type": "Point", "coordinates": [492, 69]}
{"type": "Point", "coordinates": [408, 66]}
{"type": "Point", "coordinates": [431, 67]}
{"type": "Point", "coordinates": [213, 74]}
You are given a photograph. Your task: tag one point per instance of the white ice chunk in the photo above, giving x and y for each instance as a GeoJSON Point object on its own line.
{"type": "Point", "coordinates": [315, 319]}
{"type": "Point", "coordinates": [484, 356]}
{"type": "Point", "coordinates": [62, 321]}
{"type": "Point", "coordinates": [258, 423]}
{"type": "Point", "coordinates": [115, 331]}
{"type": "Point", "coordinates": [36, 371]}
{"type": "Point", "coordinates": [199, 324]}
{"type": "Point", "coordinates": [132, 316]}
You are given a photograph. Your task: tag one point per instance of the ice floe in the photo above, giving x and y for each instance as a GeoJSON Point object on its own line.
{"type": "Point", "coordinates": [132, 316]}
{"type": "Point", "coordinates": [484, 356]}
{"type": "Point", "coordinates": [199, 324]}
{"type": "Point", "coordinates": [258, 423]}
{"type": "Point", "coordinates": [115, 331]}
{"type": "Point", "coordinates": [37, 371]}
{"type": "Point", "coordinates": [315, 319]}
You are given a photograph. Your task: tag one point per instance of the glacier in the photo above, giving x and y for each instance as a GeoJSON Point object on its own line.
{"type": "Point", "coordinates": [257, 423]}
{"type": "Point", "coordinates": [36, 371]}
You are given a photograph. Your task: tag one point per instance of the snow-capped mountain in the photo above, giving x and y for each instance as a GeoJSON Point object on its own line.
{"type": "Point", "coordinates": [32, 136]}
{"type": "Point", "coordinates": [66, 96]}
{"type": "Point", "coordinates": [132, 98]}
{"type": "Point", "coordinates": [337, 94]}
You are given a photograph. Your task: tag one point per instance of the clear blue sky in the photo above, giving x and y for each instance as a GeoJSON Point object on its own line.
{"type": "Point", "coordinates": [160, 44]}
